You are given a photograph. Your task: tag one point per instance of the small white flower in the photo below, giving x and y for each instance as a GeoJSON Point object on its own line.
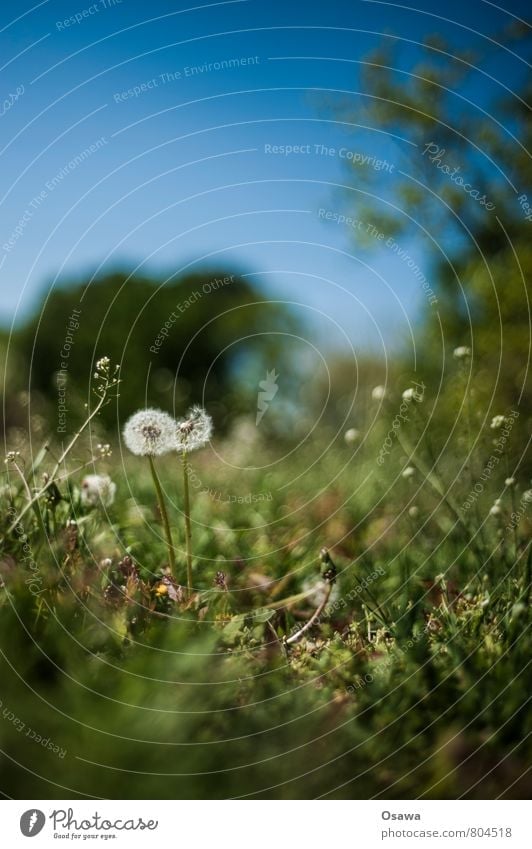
{"type": "Point", "coordinates": [104, 450]}
{"type": "Point", "coordinates": [408, 472]}
{"type": "Point", "coordinates": [413, 512]}
{"type": "Point", "coordinates": [497, 422]}
{"type": "Point", "coordinates": [97, 489]}
{"type": "Point", "coordinates": [194, 431]}
{"type": "Point", "coordinates": [509, 482]}
{"type": "Point", "coordinates": [352, 435]}
{"type": "Point", "coordinates": [150, 433]}
{"type": "Point", "coordinates": [12, 457]}
{"type": "Point", "coordinates": [412, 394]}
{"type": "Point", "coordinates": [496, 509]}
{"type": "Point", "coordinates": [378, 393]}
{"type": "Point", "coordinates": [462, 352]}
{"type": "Point", "coordinates": [103, 364]}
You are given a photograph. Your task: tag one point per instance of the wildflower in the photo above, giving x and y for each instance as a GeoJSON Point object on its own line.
{"type": "Point", "coordinates": [194, 431]}
{"type": "Point", "coordinates": [378, 393]}
{"type": "Point", "coordinates": [413, 511]}
{"type": "Point", "coordinates": [496, 509]}
{"type": "Point", "coordinates": [408, 472]}
{"type": "Point", "coordinates": [104, 450]}
{"type": "Point", "coordinates": [351, 436]}
{"type": "Point", "coordinates": [220, 580]}
{"type": "Point", "coordinates": [107, 377]}
{"type": "Point", "coordinates": [462, 352]}
{"type": "Point", "coordinates": [150, 433]}
{"type": "Point", "coordinates": [497, 422]}
{"type": "Point", "coordinates": [12, 457]}
{"type": "Point", "coordinates": [509, 482]}
{"type": "Point", "coordinates": [412, 394]}
{"type": "Point", "coordinates": [97, 489]}
{"type": "Point", "coordinates": [103, 364]}
{"type": "Point", "coordinates": [190, 433]}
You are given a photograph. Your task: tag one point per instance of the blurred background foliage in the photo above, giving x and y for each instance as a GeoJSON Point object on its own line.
{"type": "Point", "coordinates": [178, 340]}
{"type": "Point", "coordinates": [480, 259]}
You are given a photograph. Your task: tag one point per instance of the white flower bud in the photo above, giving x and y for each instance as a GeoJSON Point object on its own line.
{"type": "Point", "coordinates": [352, 435]}
{"type": "Point", "coordinates": [378, 393]}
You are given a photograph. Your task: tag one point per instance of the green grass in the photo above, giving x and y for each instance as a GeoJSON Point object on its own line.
{"type": "Point", "coordinates": [412, 683]}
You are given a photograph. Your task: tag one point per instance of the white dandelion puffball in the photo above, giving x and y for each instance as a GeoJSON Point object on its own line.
{"type": "Point", "coordinates": [509, 482]}
{"type": "Point", "coordinates": [408, 472]}
{"type": "Point", "coordinates": [462, 352]}
{"type": "Point", "coordinates": [352, 435]}
{"type": "Point", "coordinates": [496, 509]}
{"type": "Point", "coordinates": [97, 489]}
{"type": "Point", "coordinates": [194, 431]}
{"type": "Point", "coordinates": [378, 393]}
{"type": "Point", "coordinates": [150, 433]}
{"type": "Point", "coordinates": [497, 422]}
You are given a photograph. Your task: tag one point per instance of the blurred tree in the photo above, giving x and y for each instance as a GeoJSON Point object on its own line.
{"type": "Point", "coordinates": [178, 341]}
{"type": "Point", "coordinates": [462, 189]}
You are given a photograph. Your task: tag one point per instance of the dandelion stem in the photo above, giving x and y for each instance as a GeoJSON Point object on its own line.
{"type": "Point", "coordinates": [164, 514]}
{"type": "Point", "coordinates": [188, 530]}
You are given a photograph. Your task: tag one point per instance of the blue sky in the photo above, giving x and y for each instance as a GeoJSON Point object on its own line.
{"type": "Point", "coordinates": [183, 174]}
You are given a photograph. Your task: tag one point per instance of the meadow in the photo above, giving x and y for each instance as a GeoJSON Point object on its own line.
{"type": "Point", "coordinates": [250, 615]}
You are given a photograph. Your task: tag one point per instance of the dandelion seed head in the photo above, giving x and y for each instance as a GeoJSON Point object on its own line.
{"type": "Point", "coordinates": [495, 510]}
{"type": "Point", "coordinates": [527, 495]}
{"type": "Point", "coordinates": [150, 433]}
{"type": "Point", "coordinates": [413, 512]}
{"type": "Point", "coordinates": [462, 352]}
{"type": "Point", "coordinates": [378, 393]}
{"type": "Point", "coordinates": [194, 431]}
{"type": "Point", "coordinates": [408, 472]}
{"type": "Point", "coordinates": [509, 482]}
{"type": "Point", "coordinates": [97, 489]}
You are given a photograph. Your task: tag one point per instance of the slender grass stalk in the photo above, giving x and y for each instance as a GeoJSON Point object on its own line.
{"type": "Point", "coordinates": [30, 504]}
{"type": "Point", "coordinates": [188, 529]}
{"type": "Point", "coordinates": [288, 641]}
{"type": "Point", "coordinates": [164, 514]}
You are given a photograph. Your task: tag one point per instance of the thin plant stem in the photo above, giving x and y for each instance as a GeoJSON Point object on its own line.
{"type": "Point", "coordinates": [288, 641]}
{"type": "Point", "coordinates": [164, 514]}
{"type": "Point", "coordinates": [22, 477]}
{"type": "Point", "coordinates": [58, 465]}
{"type": "Point", "coordinates": [188, 530]}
